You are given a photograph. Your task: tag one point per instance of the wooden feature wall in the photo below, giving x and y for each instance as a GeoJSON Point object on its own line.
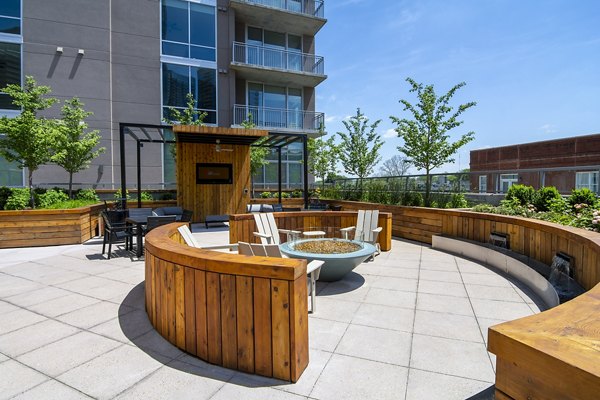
{"type": "Point", "coordinates": [32, 228]}
{"type": "Point", "coordinates": [539, 240]}
{"type": "Point", "coordinates": [242, 226]}
{"type": "Point", "coordinates": [204, 199]}
{"type": "Point", "coordinates": [240, 312]}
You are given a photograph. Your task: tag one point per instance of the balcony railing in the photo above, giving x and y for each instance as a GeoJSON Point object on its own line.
{"type": "Point", "coordinates": [277, 58]}
{"type": "Point", "coordinates": [279, 118]}
{"type": "Point", "coordinates": [314, 8]}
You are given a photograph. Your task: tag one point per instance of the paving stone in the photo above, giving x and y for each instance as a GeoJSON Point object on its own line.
{"type": "Point", "coordinates": [230, 391]}
{"type": "Point", "coordinates": [445, 304]}
{"type": "Point", "coordinates": [51, 390]}
{"type": "Point", "coordinates": [376, 344]}
{"type": "Point", "coordinates": [336, 310]}
{"type": "Point", "coordinates": [126, 328]}
{"type": "Point", "coordinates": [177, 380]}
{"type": "Point", "coordinates": [3, 358]}
{"type": "Point", "coordinates": [395, 318]}
{"type": "Point", "coordinates": [325, 334]}
{"type": "Point", "coordinates": [7, 307]}
{"type": "Point", "coordinates": [306, 383]}
{"type": "Point", "coordinates": [37, 296]}
{"type": "Point", "coordinates": [11, 321]}
{"type": "Point", "coordinates": [33, 336]}
{"type": "Point", "coordinates": [411, 273]}
{"type": "Point", "coordinates": [487, 279]}
{"type": "Point", "coordinates": [485, 323]}
{"type": "Point", "coordinates": [132, 276]}
{"type": "Point", "coordinates": [445, 288]}
{"type": "Point", "coordinates": [351, 378]}
{"type": "Point", "coordinates": [152, 341]}
{"type": "Point", "coordinates": [85, 285]}
{"type": "Point", "coordinates": [440, 276]}
{"type": "Point", "coordinates": [438, 265]}
{"type": "Point", "coordinates": [94, 314]}
{"type": "Point", "coordinates": [393, 283]}
{"type": "Point", "coordinates": [110, 290]}
{"type": "Point", "coordinates": [60, 356]}
{"type": "Point", "coordinates": [452, 357]}
{"type": "Point", "coordinates": [17, 378]}
{"type": "Point", "coordinates": [451, 326]}
{"type": "Point", "coordinates": [503, 293]}
{"type": "Point", "coordinates": [112, 373]}
{"type": "Point", "coordinates": [351, 288]}
{"type": "Point", "coordinates": [63, 305]}
{"type": "Point", "coordinates": [424, 385]}
{"type": "Point", "coordinates": [500, 309]}
{"type": "Point", "coordinates": [12, 285]}
{"type": "Point", "coordinates": [392, 298]}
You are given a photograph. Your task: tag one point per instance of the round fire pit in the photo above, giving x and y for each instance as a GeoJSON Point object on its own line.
{"type": "Point", "coordinates": [341, 256]}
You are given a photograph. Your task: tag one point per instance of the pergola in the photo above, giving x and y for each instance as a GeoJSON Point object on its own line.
{"type": "Point", "coordinates": [147, 133]}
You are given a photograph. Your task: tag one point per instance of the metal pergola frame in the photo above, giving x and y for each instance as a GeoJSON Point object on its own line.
{"type": "Point", "coordinates": [142, 133]}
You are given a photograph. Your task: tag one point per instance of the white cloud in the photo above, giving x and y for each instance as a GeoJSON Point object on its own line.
{"type": "Point", "coordinates": [390, 133]}
{"type": "Point", "coordinates": [548, 128]}
{"type": "Point", "coordinates": [331, 118]}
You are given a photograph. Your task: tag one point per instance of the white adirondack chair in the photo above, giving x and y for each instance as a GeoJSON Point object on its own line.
{"type": "Point", "coordinates": [268, 231]}
{"type": "Point", "coordinates": [191, 241]}
{"type": "Point", "coordinates": [366, 228]}
{"type": "Point", "coordinates": [313, 269]}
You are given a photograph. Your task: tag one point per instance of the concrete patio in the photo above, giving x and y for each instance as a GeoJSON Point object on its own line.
{"type": "Point", "coordinates": [410, 325]}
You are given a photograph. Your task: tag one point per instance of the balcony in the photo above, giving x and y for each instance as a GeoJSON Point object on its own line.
{"type": "Point", "coordinates": [305, 16]}
{"type": "Point", "coordinates": [279, 118]}
{"type": "Point", "coordinates": [277, 66]}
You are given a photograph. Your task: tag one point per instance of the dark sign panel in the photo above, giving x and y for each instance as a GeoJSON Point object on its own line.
{"type": "Point", "coordinates": [210, 173]}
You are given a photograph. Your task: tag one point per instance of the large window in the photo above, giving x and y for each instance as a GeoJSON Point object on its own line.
{"type": "Point", "coordinates": [275, 106]}
{"type": "Point", "coordinates": [10, 173]}
{"type": "Point", "coordinates": [188, 29]}
{"type": "Point", "coordinates": [507, 180]}
{"type": "Point", "coordinates": [179, 80]}
{"type": "Point", "coordinates": [10, 71]}
{"type": "Point", "coordinates": [587, 180]}
{"type": "Point", "coordinates": [10, 17]}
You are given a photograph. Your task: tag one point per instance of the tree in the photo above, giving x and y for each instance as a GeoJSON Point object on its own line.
{"type": "Point", "coordinates": [425, 135]}
{"type": "Point", "coordinates": [189, 116]}
{"type": "Point", "coordinates": [73, 147]}
{"type": "Point", "coordinates": [27, 137]}
{"type": "Point", "coordinates": [359, 147]}
{"type": "Point", "coordinates": [395, 166]}
{"type": "Point", "coordinates": [258, 153]}
{"type": "Point", "coordinates": [322, 158]}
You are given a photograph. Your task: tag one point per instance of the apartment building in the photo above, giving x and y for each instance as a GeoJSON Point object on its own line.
{"type": "Point", "coordinates": [130, 60]}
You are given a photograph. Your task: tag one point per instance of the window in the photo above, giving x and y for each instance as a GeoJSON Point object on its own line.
{"type": "Point", "coordinates": [10, 71]}
{"type": "Point", "coordinates": [10, 173]}
{"type": "Point", "coordinates": [10, 17]}
{"type": "Point", "coordinates": [482, 183]}
{"type": "Point", "coordinates": [179, 80]}
{"type": "Point", "coordinates": [507, 180]}
{"type": "Point", "coordinates": [188, 29]}
{"type": "Point", "coordinates": [587, 180]}
{"type": "Point", "coordinates": [291, 169]}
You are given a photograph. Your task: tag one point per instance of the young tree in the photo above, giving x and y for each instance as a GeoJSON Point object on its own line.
{"type": "Point", "coordinates": [258, 154]}
{"type": "Point", "coordinates": [73, 147]}
{"type": "Point", "coordinates": [27, 137]}
{"type": "Point", "coordinates": [425, 135]}
{"type": "Point", "coordinates": [395, 166]}
{"type": "Point", "coordinates": [359, 147]}
{"type": "Point", "coordinates": [189, 116]}
{"type": "Point", "coordinates": [322, 157]}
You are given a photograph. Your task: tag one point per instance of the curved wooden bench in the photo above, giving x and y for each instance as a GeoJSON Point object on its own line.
{"type": "Point", "coordinates": [242, 226]}
{"type": "Point", "coordinates": [240, 312]}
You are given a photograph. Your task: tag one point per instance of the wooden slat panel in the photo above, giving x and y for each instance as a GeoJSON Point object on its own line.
{"type": "Point", "coordinates": [262, 327]}
{"type": "Point", "coordinates": [245, 324]}
{"type": "Point", "coordinates": [280, 306]}
{"type": "Point", "coordinates": [228, 321]}
{"type": "Point", "coordinates": [202, 318]}
{"type": "Point", "coordinates": [298, 328]}
{"type": "Point", "coordinates": [170, 314]}
{"type": "Point", "coordinates": [213, 317]}
{"type": "Point", "coordinates": [190, 311]}
{"type": "Point", "coordinates": [180, 322]}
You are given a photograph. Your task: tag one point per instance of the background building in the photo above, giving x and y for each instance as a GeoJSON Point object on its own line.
{"type": "Point", "coordinates": [129, 60]}
{"type": "Point", "coordinates": [566, 164]}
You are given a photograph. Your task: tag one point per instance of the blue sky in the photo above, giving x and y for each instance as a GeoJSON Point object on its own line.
{"type": "Point", "coordinates": [533, 67]}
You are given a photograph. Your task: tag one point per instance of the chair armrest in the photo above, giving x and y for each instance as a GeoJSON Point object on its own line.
{"type": "Point", "coordinates": [231, 246]}
{"type": "Point", "coordinates": [262, 235]}
{"type": "Point", "coordinates": [379, 229]}
{"type": "Point", "coordinates": [314, 265]}
{"type": "Point", "coordinates": [348, 229]}
{"type": "Point", "coordinates": [288, 231]}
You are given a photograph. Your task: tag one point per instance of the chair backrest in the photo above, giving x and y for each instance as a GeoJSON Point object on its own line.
{"type": "Point", "coordinates": [140, 212]}
{"type": "Point", "coordinates": [115, 217]}
{"type": "Point", "coordinates": [187, 216]}
{"type": "Point", "coordinates": [187, 236]}
{"type": "Point", "coordinates": [245, 249]}
{"type": "Point", "coordinates": [365, 224]}
{"type": "Point", "coordinates": [265, 224]}
{"type": "Point", "coordinates": [173, 210]}
{"type": "Point", "coordinates": [277, 207]}
{"type": "Point", "coordinates": [253, 208]}
{"type": "Point", "coordinates": [156, 221]}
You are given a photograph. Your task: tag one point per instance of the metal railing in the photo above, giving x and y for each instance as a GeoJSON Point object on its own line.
{"type": "Point", "coordinates": [265, 117]}
{"type": "Point", "coordinates": [277, 58]}
{"type": "Point", "coordinates": [315, 8]}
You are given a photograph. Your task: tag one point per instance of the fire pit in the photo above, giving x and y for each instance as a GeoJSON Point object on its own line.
{"type": "Point", "coordinates": [341, 256]}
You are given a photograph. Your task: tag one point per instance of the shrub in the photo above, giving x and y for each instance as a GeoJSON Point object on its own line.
{"type": "Point", "coordinates": [545, 198]}
{"type": "Point", "coordinates": [412, 199]}
{"type": "Point", "coordinates": [266, 195]}
{"type": "Point", "coordinates": [582, 196]}
{"type": "Point", "coordinates": [168, 196]}
{"type": "Point", "coordinates": [523, 194]}
{"type": "Point", "coordinates": [458, 200]}
{"type": "Point", "coordinates": [285, 195]}
{"type": "Point", "coordinates": [5, 193]}
{"type": "Point", "coordinates": [146, 196]}
{"type": "Point", "coordinates": [18, 199]}
{"type": "Point", "coordinates": [119, 196]}
{"type": "Point", "coordinates": [52, 197]}
{"type": "Point", "coordinates": [87, 195]}
{"type": "Point", "coordinates": [297, 194]}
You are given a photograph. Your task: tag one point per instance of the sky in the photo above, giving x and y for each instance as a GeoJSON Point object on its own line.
{"type": "Point", "coordinates": [532, 66]}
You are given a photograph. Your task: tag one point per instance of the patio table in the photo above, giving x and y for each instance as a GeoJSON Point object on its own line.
{"type": "Point", "coordinates": [139, 221]}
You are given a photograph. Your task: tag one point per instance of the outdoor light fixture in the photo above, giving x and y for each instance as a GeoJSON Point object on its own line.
{"type": "Point", "coordinates": [81, 52]}
{"type": "Point", "coordinates": [59, 50]}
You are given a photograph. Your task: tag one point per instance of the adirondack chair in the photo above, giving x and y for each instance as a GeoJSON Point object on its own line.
{"type": "Point", "coordinates": [268, 231]}
{"type": "Point", "coordinates": [366, 228]}
{"type": "Point", "coordinates": [313, 269]}
{"type": "Point", "coordinates": [191, 241]}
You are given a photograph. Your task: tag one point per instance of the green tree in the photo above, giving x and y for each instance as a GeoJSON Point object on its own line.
{"type": "Point", "coordinates": [258, 153]}
{"type": "Point", "coordinates": [425, 135]}
{"type": "Point", "coordinates": [73, 147]}
{"type": "Point", "coordinates": [322, 158]}
{"type": "Point", "coordinates": [189, 116]}
{"type": "Point", "coordinates": [359, 147]}
{"type": "Point", "coordinates": [27, 137]}
{"type": "Point", "coordinates": [395, 166]}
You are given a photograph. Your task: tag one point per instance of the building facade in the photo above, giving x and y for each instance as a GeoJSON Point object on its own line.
{"type": "Point", "coordinates": [567, 164]}
{"type": "Point", "coordinates": [130, 61]}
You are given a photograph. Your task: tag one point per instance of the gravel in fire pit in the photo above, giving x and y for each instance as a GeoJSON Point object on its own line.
{"type": "Point", "coordinates": [327, 247]}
